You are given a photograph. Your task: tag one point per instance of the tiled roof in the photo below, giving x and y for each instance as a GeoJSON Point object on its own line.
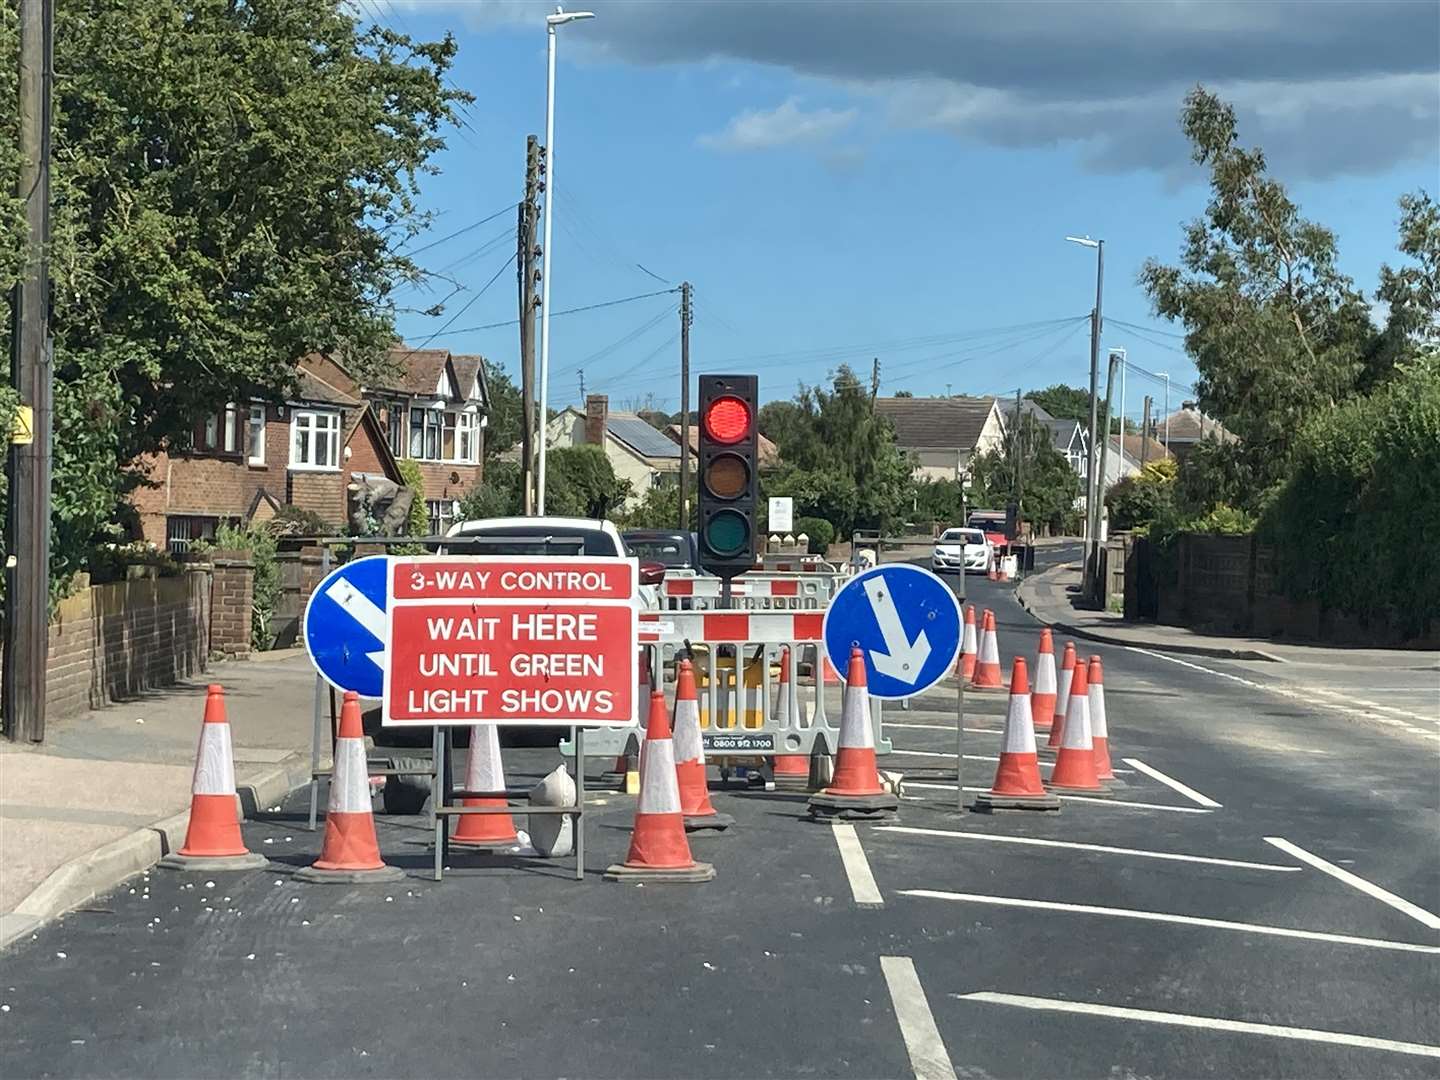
{"type": "Point", "coordinates": [1189, 424]}
{"type": "Point", "coordinates": [1135, 443]}
{"type": "Point", "coordinates": [945, 422]}
{"type": "Point", "coordinates": [769, 453]}
{"type": "Point", "coordinates": [413, 371]}
{"type": "Point", "coordinates": [467, 368]}
{"type": "Point", "coordinates": [311, 387]}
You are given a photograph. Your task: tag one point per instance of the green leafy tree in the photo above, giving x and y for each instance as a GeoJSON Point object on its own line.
{"type": "Point", "coordinates": [234, 184]}
{"type": "Point", "coordinates": [840, 461]}
{"type": "Point", "coordinates": [939, 502]}
{"type": "Point", "coordinates": [418, 521]}
{"type": "Point", "coordinates": [1275, 329]}
{"type": "Point", "coordinates": [507, 412]}
{"type": "Point", "coordinates": [1049, 485]}
{"type": "Point", "coordinates": [497, 495]}
{"type": "Point", "coordinates": [1140, 500]}
{"type": "Point", "coordinates": [580, 482]}
{"type": "Point", "coordinates": [658, 509]}
{"type": "Point", "coordinates": [1067, 402]}
{"type": "Point", "coordinates": [1411, 293]}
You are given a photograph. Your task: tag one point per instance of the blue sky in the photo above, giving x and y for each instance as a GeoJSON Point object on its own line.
{"type": "Point", "coordinates": [896, 181]}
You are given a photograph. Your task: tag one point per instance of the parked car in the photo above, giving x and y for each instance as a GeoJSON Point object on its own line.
{"type": "Point", "coordinates": [961, 549]}
{"type": "Point", "coordinates": [675, 549]}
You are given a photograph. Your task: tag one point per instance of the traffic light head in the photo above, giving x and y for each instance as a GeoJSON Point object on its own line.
{"type": "Point", "coordinates": [728, 473]}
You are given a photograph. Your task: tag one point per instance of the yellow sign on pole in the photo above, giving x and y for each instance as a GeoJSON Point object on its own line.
{"type": "Point", "coordinates": [22, 432]}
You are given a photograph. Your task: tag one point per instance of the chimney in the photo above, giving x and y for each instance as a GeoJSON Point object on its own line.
{"type": "Point", "coordinates": [597, 411]}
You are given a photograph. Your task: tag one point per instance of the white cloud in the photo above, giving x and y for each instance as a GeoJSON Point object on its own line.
{"type": "Point", "coordinates": [785, 125]}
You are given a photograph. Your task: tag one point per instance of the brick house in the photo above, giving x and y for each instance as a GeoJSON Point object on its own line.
{"type": "Point", "coordinates": [249, 459]}
{"type": "Point", "coordinates": [434, 411]}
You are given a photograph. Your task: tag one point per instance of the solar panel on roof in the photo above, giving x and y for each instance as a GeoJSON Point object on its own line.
{"type": "Point", "coordinates": [642, 438]}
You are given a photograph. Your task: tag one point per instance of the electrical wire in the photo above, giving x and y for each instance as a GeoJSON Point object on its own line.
{"type": "Point", "coordinates": [633, 335]}
{"type": "Point", "coordinates": [483, 289]}
{"type": "Point", "coordinates": [462, 231]}
{"type": "Point", "coordinates": [567, 311]}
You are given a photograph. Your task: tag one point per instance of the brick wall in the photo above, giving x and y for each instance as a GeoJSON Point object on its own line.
{"type": "Point", "coordinates": [116, 641]}
{"type": "Point", "coordinates": [438, 482]}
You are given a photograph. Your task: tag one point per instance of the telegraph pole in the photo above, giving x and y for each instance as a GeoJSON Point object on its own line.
{"type": "Point", "coordinates": [27, 524]}
{"type": "Point", "coordinates": [1098, 581]}
{"type": "Point", "coordinates": [1095, 486]}
{"type": "Point", "coordinates": [1019, 465]}
{"type": "Point", "coordinates": [687, 316]}
{"type": "Point", "coordinates": [1145, 434]}
{"type": "Point", "coordinates": [528, 276]}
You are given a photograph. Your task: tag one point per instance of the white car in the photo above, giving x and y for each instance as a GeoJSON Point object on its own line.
{"type": "Point", "coordinates": [961, 549]}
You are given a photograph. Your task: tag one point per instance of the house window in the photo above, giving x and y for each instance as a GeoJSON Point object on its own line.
{"type": "Point", "coordinates": [218, 433]}
{"type": "Point", "coordinates": [448, 435]}
{"type": "Point", "coordinates": [255, 435]}
{"type": "Point", "coordinates": [441, 514]}
{"type": "Point", "coordinates": [395, 429]}
{"type": "Point", "coordinates": [183, 530]}
{"type": "Point", "coordinates": [314, 439]}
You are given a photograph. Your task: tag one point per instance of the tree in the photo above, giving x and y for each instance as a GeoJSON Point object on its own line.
{"type": "Point", "coordinates": [1411, 293]}
{"type": "Point", "coordinates": [1143, 498]}
{"type": "Point", "coordinates": [580, 482]}
{"type": "Point", "coordinates": [234, 184]}
{"type": "Point", "coordinates": [1275, 329]}
{"type": "Point", "coordinates": [840, 458]}
{"type": "Point", "coordinates": [507, 411]}
{"type": "Point", "coordinates": [498, 495]}
{"type": "Point", "coordinates": [1049, 485]}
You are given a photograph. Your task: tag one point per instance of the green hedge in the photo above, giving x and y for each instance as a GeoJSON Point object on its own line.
{"type": "Point", "coordinates": [1356, 523]}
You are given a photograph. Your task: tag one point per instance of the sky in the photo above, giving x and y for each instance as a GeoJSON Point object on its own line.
{"type": "Point", "coordinates": [844, 182]}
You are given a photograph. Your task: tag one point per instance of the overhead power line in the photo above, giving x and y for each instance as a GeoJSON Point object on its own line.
{"type": "Point", "coordinates": [464, 308]}
{"type": "Point", "coordinates": [462, 231]}
{"type": "Point", "coordinates": [567, 311]}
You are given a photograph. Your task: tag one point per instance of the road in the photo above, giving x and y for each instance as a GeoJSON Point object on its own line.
{"type": "Point", "coordinates": [1257, 901]}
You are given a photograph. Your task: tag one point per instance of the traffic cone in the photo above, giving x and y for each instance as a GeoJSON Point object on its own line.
{"type": "Point", "coordinates": [212, 839]}
{"type": "Point", "coordinates": [1062, 695]}
{"type": "Point", "coordinates": [350, 854]}
{"type": "Point", "coordinates": [689, 751]}
{"type": "Point", "coordinates": [969, 647]}
{"type": "Point", "coordinates": [791, 771]}
{"type": "Point", "coordinates": [855, 791]}
{"type": "Point", "coordinates": [987, 665]}
{"type": "Point", "coordinates": [1042, 700]}
{"type": "Point", "coordinates": [484, 771]}
{"type": "Point", "coordinates": [1074, 772]}
{"type": "Point", "coordinates": [1099, 727]}
{"type": "Point", "coordinates": [658, 848]}
{"type": "Point", "coordinates": [1017, 778]}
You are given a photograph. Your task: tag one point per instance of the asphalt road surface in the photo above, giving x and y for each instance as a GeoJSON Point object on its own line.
{"type": "Point", "coordinates": [1259, 900]}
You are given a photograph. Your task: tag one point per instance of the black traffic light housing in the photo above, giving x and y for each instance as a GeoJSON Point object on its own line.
{"type": "Point", "coordinates": [728, 480]}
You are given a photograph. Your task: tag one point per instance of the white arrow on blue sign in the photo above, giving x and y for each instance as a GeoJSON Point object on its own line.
{"type": "Point", "coordinates": [345, 626]}
{"type": "Point", "coordinates": [906, 622]}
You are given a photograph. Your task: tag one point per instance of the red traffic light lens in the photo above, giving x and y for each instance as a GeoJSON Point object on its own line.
{"type": "Point", "coordinates": [727, 420]}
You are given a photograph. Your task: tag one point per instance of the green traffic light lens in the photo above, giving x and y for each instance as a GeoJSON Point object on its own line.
{"type": "Point", "coordinates": [727, 533]}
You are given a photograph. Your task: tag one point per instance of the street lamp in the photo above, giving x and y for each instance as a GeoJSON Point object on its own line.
{"type": "Point", "coordinates": [1094, 486]}
{"type": "Point", "coordinates": [559, 18]}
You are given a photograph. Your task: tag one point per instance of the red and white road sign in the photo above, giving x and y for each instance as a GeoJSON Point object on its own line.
{"type": "Point", "coordinates": [525, 641]}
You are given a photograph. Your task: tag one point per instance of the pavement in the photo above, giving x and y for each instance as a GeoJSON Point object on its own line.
{"type": "Point", "coordinates": [108, 792]}
{"type": "Point", "coordinates": [1258, 900]}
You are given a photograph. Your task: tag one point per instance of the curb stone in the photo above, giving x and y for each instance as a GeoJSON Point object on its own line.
{"type": "Point", "coordinates": [96, 872]}
{"type": "Point", "coordinates": [1218, 652]}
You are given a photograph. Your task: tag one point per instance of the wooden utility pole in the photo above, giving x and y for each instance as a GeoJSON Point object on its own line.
{"type": "Point", "coordinates": [1019, 464]}
{"type": "Point", "coordinates": [1098, 581]}
{"type": "Point", "coordinates": [874, 380]}
{"type": "Point", "coordinates": [1145, 433]}
{"type": "Point", "coordinates": [27, 516]}
{"type": "Point", "coordinates": [526, 253]}
{"type": "Point", "coordinates": [687, 316]}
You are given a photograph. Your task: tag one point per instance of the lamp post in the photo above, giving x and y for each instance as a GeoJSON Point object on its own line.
{"type": "Point", "coordinates": [1094, 485]}
{"type": "Point", "coordinates": [559, 18]}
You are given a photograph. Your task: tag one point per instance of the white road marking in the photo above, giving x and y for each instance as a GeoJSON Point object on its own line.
{"type": "Point", "coordinates": [1212, 1023]}
{"type": "Point", "coordinates": [945, 727]}
{"type": "Point", "coordinates": [1399, 903]}
{"type": "Point", "coordinates": [1343, 700]}
{"type": "Point", "coordinates": [1078, 846]}
{"type": "Point", "coordinates": [1170, 782]}
{"type": "Point", "coordinates": [917, 1023]}
{"type": "Point", "coordinates": [857, 867]}
{"type": "Point", "coordinates": [1076, 798]}
{"type": "Point", "coordinates": [1167, 917]}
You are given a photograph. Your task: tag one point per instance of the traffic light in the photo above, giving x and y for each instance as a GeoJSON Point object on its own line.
{"type": "Point", "coordinates": [728, 463]}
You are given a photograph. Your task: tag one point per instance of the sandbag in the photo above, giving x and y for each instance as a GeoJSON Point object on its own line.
{"type": "Point", "coordinates": [553, 835]}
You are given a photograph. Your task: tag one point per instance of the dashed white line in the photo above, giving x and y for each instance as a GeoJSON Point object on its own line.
{"type": "Point", "coordinates": [1170, 782]}
{"type": "Point", "coordinates": [928, 1057]}
{"type": "Point", "coordinates": [1167, 917]}
{"type": "Point", "coordinates": [1076, 845]}
{"type": "Point", "coordinates": [1211, 1023]}
{"type": "Point", "coordinates": [1399, 903]}
{"type": "Point", "coordinates": [857, 867]}
{"type": "Point", "coordinates": [1098, 801]}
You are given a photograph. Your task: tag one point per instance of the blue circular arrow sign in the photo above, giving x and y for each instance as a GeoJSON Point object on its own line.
{"type": "Point", "coordinates": [906, 622]}
{"type": "Point", "coordinates": [345, 626]}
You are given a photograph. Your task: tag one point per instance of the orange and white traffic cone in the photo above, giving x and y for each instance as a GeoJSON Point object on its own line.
{"type": "Point", "coordinates": [689, 750]}
{"type": "Point", "coordinates": [1074, 772]}
{"type": "Point", "coordinates": [855, 791]}
{"type": "Point", "coordinates": [1062, 695]}
{"type": "Point", "coordinates": [1099, 725]}
{"type": "Point", "coordinates": [791, 771]}
{"type": "Point", "coordinates": [1017, 778]}
{"type": "Point", "coordinates": [1042, 700]}
{"type": "Point", "coordinates": [350, 853]}
{"type": "Point", "coordinates": [213, 840]}
{"type": "Point", "coordinates": [987, 665]}
{"type": "Point", "coordinates": [969, 647]}
{"type": "Point", "coordinates": [484, 771]}
{"type": "Point", "coordinates": [658, 848]}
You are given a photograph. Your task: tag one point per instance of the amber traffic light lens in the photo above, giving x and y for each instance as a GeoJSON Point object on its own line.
{"type": "Point", "coordinates": [727, 476]}
{"type": "Point", "coordinates": [727, 420]}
